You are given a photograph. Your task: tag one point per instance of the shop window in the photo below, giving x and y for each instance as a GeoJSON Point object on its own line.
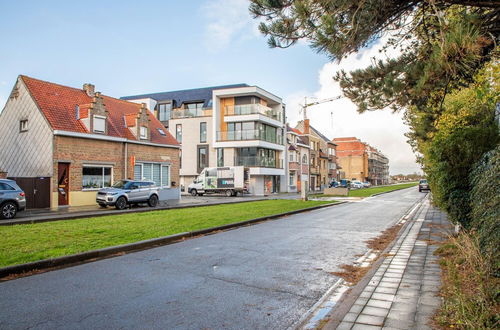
{"type": "Point", "coordinates": [96, 176]}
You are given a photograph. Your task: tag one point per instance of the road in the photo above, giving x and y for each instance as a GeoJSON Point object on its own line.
{"type": "Point", "coordinates": [262, 276]}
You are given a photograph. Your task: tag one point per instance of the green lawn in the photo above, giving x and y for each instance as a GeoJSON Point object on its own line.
{"type": "Point", "coordinates": [32, 242]}
{"type": "Point", "coordinates": [367, 192]}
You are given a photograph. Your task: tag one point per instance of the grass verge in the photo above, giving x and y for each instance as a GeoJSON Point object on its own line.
{"type": "Point", "coordinates": [32, 242]}
{"type": "Point", "coordinates": [471, 293]}
{"type": "Point", "coordinates": [367, 192]}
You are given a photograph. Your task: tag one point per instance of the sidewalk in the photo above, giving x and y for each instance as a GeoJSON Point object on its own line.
{"type": "Point", "coordinates": [402, 293]}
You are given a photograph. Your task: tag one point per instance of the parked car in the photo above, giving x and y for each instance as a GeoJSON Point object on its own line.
{"type": "Point", "coordinates": [356, 184]}
{"type": "Point", "coordinates": [344, 183]}
{"type": "Point", "coordinates": [127, 192]}
{"type": "Point", "coordinates": [423, 185]}
{"type": "Point", "coordinates": [367, 184]}
{"type": "Point", "coordinates": [223, 180]}
{"type": "Point", "coordinates": [12, 199]}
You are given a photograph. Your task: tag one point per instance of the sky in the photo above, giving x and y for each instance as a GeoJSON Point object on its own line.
{"type": "Point", "coordinates": [136, 47]}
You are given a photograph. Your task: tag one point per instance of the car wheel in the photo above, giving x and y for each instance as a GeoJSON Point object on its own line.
{"type": "Point", "coordinates": [229, 193]}
{"type": "Point", "coordinates": [121, 203]}
{"type": "Point", "coordinates": [153, 201]}
{"type": "Point", "coordinates": [8, 210]}
{"type": "Point", "coordinates": [194, 192]}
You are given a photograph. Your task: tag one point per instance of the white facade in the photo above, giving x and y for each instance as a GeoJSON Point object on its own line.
{"type": "Point", "coordinates": [27, 152]}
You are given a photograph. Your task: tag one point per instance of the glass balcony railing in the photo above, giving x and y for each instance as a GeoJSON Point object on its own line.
{"type": "Point", "coordinates": [256, 161]}
{"type": "Point", "coordinates": [249, 134]}
{"type": "Point", "coordinates": [190, 113]}
{"type": "Point", "coordinates": [251, 109]}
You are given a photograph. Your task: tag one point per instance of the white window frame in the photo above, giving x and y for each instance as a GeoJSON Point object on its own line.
{"type": "Point", "coordinates": [101, 166]}
{"type": "Point", "coordinates": [94, 121]}
{"type": "Point", "coordinates": [143, 132]}
{"type": "Point", "coordinates": [169, 166]}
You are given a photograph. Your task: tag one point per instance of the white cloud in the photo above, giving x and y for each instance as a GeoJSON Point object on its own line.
{"type": "Point", "coordinates": [381, 129]}
{"type": "Point", "coordinates": [227, 20]}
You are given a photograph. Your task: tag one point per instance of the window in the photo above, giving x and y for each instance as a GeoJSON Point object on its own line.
{"type": "Point", "coordinates": [164, 111]}
{"type": "Point", "coordinates": [304, 159]}
{"type": "Point", "coordinates": [220, 157]}
{"type": "Point", "coordinates": [331, 151]}
{"type": "Point", "coordinates": [96, 176]}
{"type": "Point", "coordinates": [144, 133]}
{"type": "Point", "coordinates": [202, 158]}
{"type": "Point", "coordinates": [203, 132]}
{"type": "Point", "coordinates": [162, 132]}
{"type": "Point", "coordinates": [4, 186]}
{"type": "Point", "coordinates": [158, 173]}
{"type": "Point", "coordinates": [292, 179]}
{"type": "Point", "coordinates": [178, 132]}
{"type": "Point", "coordinates": [99, 124]}
{"type": "Point", "coordinates": [23, 125]}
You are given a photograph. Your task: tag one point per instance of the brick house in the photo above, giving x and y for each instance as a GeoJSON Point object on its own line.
{"type": "Point", "coordinates": [62, 144]}
{"type": "Point", "coordinates": [362, 162]}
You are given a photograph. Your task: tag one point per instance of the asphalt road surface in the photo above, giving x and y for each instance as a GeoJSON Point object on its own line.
{"type": "Point", "coordinates": [258, 277]}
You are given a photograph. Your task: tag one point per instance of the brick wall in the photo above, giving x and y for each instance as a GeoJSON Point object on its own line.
{"type": "Point", "coordinates": [80, 151]}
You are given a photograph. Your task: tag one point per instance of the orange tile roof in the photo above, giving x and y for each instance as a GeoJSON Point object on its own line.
{"type": "Point", "coordinates": [58, 103]}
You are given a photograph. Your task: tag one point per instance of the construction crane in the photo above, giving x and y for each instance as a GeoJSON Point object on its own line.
{"type": "Point", "coordinates": [307, 105]}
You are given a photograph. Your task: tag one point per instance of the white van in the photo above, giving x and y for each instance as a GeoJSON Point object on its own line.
{"type": "Point", "coordinates": [227, 180]}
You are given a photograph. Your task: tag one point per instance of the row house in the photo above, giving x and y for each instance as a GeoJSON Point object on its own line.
{"type": "Point", "coordinates": [298, 159]}
{"type": "Point", "coordinates": [61, 144]}
{"type": "Point", "coordinates": [232, 125]}
{"type": "Point", "coordinates": [323, 161]}
{"type": "Point", "coordinates": [362, 162]}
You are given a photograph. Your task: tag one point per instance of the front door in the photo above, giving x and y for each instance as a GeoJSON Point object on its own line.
{"type": "Point", "coordinates": [63, 183]}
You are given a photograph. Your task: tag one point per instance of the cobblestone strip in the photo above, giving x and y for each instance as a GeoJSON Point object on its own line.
{"type": "Point", "coordinates": [402, 292]}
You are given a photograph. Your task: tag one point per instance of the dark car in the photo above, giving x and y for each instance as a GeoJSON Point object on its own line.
{"type": "Point", "coordinates": [423, 185]}
{"type": "Point", "coordinates": [12, 199]}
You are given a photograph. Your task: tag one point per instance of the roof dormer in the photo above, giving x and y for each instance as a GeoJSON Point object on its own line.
{"type": "Point", "coordinates": [98, 115]}
{"type": "Point", "coordinates": [138, 123]}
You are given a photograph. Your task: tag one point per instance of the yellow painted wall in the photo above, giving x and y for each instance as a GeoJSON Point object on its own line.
{"type": "Point", "coordinates": [82, 198]}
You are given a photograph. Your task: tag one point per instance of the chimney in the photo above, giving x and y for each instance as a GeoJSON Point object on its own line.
{"type": "Point", "coordinates": [89, 89]}
{"type": "Point", "coordinates": [306, 126]}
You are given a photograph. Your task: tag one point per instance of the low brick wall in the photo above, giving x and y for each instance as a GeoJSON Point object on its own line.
{"type": "Point", "coordinates": [336, 191]}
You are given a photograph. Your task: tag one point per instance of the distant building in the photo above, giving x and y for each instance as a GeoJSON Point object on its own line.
{"type": "Point", "coordinates": [360, 161]}
{"type": "Point", "coordinates": [62, 144]}
{"type": "Point", "coordinates": [323, 164]}
{"type": "Point", "coordinates": [232, 125]}
{"type": "Point", "coordinates": [298, 159]}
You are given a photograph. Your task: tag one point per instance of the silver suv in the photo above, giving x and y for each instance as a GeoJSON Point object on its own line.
{"type": "Point", "coordinates": [12, 199]}
{"type": "Point", "coordinates": [127, 192]}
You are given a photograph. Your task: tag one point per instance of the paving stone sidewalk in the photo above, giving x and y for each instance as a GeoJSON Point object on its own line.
{"type": "Point", "coordinates": [402, 294]}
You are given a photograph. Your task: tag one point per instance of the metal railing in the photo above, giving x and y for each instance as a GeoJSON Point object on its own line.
{"type": "Point", "coordinates": [191, 113]}
{"type": "Point", "coordinates": [249, 134]}
{"type": "Point", "coordinates": [251, 109]}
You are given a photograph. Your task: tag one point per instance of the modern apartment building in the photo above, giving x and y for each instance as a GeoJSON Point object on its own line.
{"type": "Point", "coordinates": [298, 159]}
{"type": "Point", "coordinates": [232, 125]}
{"type": "Point", "coordinates": [362, 162]}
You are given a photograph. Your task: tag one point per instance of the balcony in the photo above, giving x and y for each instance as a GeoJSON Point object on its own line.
{"type": "Point", "coordinates": [256, 161]}
{"type": "Point", "coordinates": [191, 113]}
{"type": "Point", "coordinates": [314, 169]}
{"type": "Point", "coordinates": [247, 135]}
{"type": "Point", "coordinates": [253, 109]}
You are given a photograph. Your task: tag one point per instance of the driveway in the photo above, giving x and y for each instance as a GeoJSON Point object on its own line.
{"type": "Point", "coordinates": [257, 277]}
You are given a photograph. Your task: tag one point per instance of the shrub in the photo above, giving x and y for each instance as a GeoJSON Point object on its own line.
{"type": "Point", "coordinates": [485, 202]}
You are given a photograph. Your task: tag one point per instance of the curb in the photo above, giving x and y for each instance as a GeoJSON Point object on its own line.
{"type": "Point", "coordinates": [95, 255]}
{"type": "Point", "coordinates": [88, 214]}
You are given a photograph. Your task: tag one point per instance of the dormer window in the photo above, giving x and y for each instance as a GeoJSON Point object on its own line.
{"type": "Point", "coordinates": [144, 133]}
{"type": "Point", "coordinates": [99, 124]}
